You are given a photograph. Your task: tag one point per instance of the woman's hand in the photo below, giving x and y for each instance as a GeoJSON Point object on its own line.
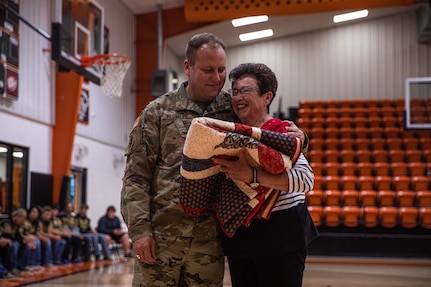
{"type": "Point", "coordinates": [237, 168]}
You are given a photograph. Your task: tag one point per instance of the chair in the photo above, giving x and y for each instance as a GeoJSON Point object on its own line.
{"type": "Point", "coordinates": [378, 144]}
{"type": "Point", "coordinates": [370, 216]}
{"type": "Point", "coordinates": [376, 132]}
{"type": "Point", "coordinates": [385, 197]}
{"type": "Point", "coordinates": [382, 183]}
{"type": "Point", "coordinates": [303, 104]}
{"type": "Point", "coordinates": [420, 183]}
{"type": "Point", "coordinates": [410, 143]}
{"type": "Point", "coordinates": [332, 215]}
{"type": "Point", "coordinates": [332, 182]}
{"type": "Point", "coordinates": [317, 168]}
{"type": "Point", "coordinates": [348, 168]}
{"type": "Point", "coordinates": [304, 113]}
{"type": "Point", "coordinates": [359, 133]}
{"type": "Point", "coordinates": [316, 144]}
{"type": "Point", "coordinates": [425, 142]}
{"type": "Point", "coordinates": [348, 182]}
{"type": "Point", "coordinates": [332, 121]}
{"type": "Point", "coordinates": [381, 168]}
{"type": "Point", "coordinates": [303, 123]}
{"type": "Point", "coordinates": [388, 216]}
{"type": "Point", "coordinates": [399, 169]}
{"type": "Point", "coordinates": [350, 216]}
{"type": "Point", "coordinates": [365, 182]}
{"type": "Point", "coordinates": [391, 132]}
{"type": "Point", "coordinates": [315, 156]}
{"type": "Point", "coordinates": [423, 198]}
{"type": "Point", "coordinates": [331, 197]}
{"type": "Point", "coordinates": [316, 132]}
{"type": "Point", "coordinates": [319, 183]}
{"type": "Point", "coordinates": [362, 143]}
{"type": "Point", "coordinates": [408, 217]}
{"type": "Point", "coordinates": [345, 112]}
{"type": "Point", "coordinates": [387, 111]}
{"type": "Point", "coordinates": [401, 183]}
{"type": "Point", "coordinates": [332, 112]}
{"type": "Point", "coordinates": [318, 112]}
{"type": "Point", "coordinates": [332, 168]}
{"type": "Point", "coordinates": [331, 144]}
{"type": "Point", "coordinates": [332, 133]}
{"type": "Point", "coordinates": [349, 197]}
{"type": "Point", "coordinates": [367, 197]}
{"type": "Point", "coordinates": [360, 122]}
{"type": "Point", "coordinates": [373, 112]}
{"type": "Point", "coordinates": [425, 217]}
{"type": "Point", "coordinates": [394, 143]}
{"type": "Point", "coordinates": [365, 169]}
{"type": "Point", "coordinates": [416, 168]}
{"type": "Point", "coordinates": [346, 122]}
{"type": "Point", "coordinates": [314, 197]}
{"type": "Point", "coordinates": [346, 143]}
{"type": "Point", "coordinates": [391, 122]}
{"type": "Point", "coordinates": [316, 213]}
{"type": "Point", "coordinates": [347, 155]}
{"type": "Point", "coordinates": [331, 155]}
{"type": "Point", "coordinates": [374, 122]}
{"type": "Point", "coordinates": [397, 155]}
{"type": "Point", "coordinates": [404, 197]}
{"type": "Point", "coordinates": [317, 122]}
{"type": "Point", "coordinates": [413, 155]}
{"type": "Point", "coordinates": [363, 155]}
{"type": "Point", "coordinates": [427, 155]}
{"type": "Point", "coordinates": [379, 155]}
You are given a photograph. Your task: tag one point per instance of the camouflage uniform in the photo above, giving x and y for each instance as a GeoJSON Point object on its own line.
{"type": "Point", "coordinates": [188, 252]}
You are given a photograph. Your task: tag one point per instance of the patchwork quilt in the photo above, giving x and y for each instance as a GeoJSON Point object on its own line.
{"type": "Point", "coordinates": [205, 188]}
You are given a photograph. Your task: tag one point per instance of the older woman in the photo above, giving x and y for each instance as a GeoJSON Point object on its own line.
{"type": "Point", "coordinates": [269, 252]}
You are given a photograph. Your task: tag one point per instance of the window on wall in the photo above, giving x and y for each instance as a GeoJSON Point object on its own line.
{"type": "Point", "coordinates": [13, 177]}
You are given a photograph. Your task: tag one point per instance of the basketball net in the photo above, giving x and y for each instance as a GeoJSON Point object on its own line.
{"type": "Point", "coordinates": [112, 68]}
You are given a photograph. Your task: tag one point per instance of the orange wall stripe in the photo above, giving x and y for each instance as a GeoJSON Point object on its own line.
{"type": "Point", "coordinates": [67, 97]}
{"type": "Point", "coordinates": [201, 11]}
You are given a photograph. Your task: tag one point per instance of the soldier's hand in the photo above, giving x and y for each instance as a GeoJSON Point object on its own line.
{"type": "Point", "coordinates": [295, 131]}
{"type": "Point", "coordinates": [145, 249]}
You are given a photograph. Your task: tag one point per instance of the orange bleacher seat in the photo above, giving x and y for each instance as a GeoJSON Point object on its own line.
{"type": "Point", "coordinates": [365, 168]}
{"type": "Point", "coordinates": [331, 197]}
{"type": "Point", "coordinates": [332, 133]}
{"type": "Point", "coordinates": [350, 216]}
{"type": "Point", "coordinates": [331, 143]}
{"type": "Point", "coordinates": [348, 168]}
{"type": "Point", "coordinates": [332, 121]}
{"type": "Point", "coordinates": [332, 111]}
{"type": "Point", "coordinates": [427, 155]}
{"type": "Point", "coordinates": [365, 182]}
{"type": "Point", "coordinates": [420, 183]}
{"type": "Point", "coordinates": [376, 132]}
{"type": "Point", "coordinates": [401, 182]}
{"type": "Point", "coordinates": [361, 133]}
{"type": "Point", "coordinates": [332, 155]}
{"type": "Point", "coordinates": [332, 182]}
{"type": "Point", "coordinates": [317, 122]}
{"type": "Point", "coordinates": [349, 197]}
{"type": "Point", "coordinates": [348, 182]}
{"type": "Point", "coordinates": [381, 168]}
{"type": "Point", "coordinates": [416, 168]}
{"type": "Point", "coordinates": [317, 168]}
{"type": "Point", "coordinates": [345, 112]}
{"type": "Point", "coordinates": [388, 216]}
{"type": "Point", "coordinates": [363, 155]}
{"type": "Point", "coordinates": [367, 197]}
{"type": "Point", "coordinates": [314, 197]}
{"type": "Point", "coordinates": [332, 168]}
{"type": "Point", "coordinates": [394, 143]}
{"type": "Point", "coordinates": [315, 155]}
{"type": "Point", "coordinates": [423, 198]}
{"type": "Point", "coordinates": [316, 214]}
{"type": "Point", "coordinates": [399, 169]}
{"type": "Point", "coordinates": [304, 123]}
{"type": "Point", "coordinates": [374, 122]}
{"type": "Point", "coordinates": [385, 197]}
{"type": "Point", "coordinates": [396, 155]}
{"type": "Point", "coordinates": [362, 143]}
{"type": "Point", "coordinates": [346, 122]}
{"type": "Point", "coordinates": [410, 143]}
{"type": "Point", "coordinates": [347, 155]}
{"type": "Point", "coordinates": [383, 182]}
{"type": "Point", "coordinates": [304, 113]}
{"type": "Point", "coordinates": [347, 143]}
{"type": "Point", "coordinates": [332, 215]}
{"type": "Point", "coordinates": [405, 197]}
{"type": "Point", "coordinates": [413, 155]}
{"type": "Point", "coordinates": [377, 144]}
{"type": "Point", "coordinates": [360, 122]}
{"type": "Point", "coordinates": [316, 132]}
{"type": "Point", "coordinates": [425, 217]}
{"type": "Point", "coordinates": [373, 112]}
{"type": "Point", "coordinates": [391, 132]}
{"type": "Point", "coordinates": [425, 142]}
{"type": "Point", "coordinates": [345, 132]}
{"type": "Point", "coordinates": [370, 215]}
{"type": "Point", "coordinates": [306, 104]}
{"type": "Point", "coordinates": [316, 144]}
{"type": "Point", "coordinates": [391, 122]}
{"type": "Point", "coordinates": [387, 111]}
{"type": "Point", "coordinates": [379, 155]}
{"type": "Point", "coordinates": [318, 112]}
{"type": "Point", "coordinates": [319, 183]}
{"type": "Point", "coordinates": [408, 216]}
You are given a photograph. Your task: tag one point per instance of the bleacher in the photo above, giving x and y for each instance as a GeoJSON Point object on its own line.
{"type": "Point", "coordinates": [372, 193]}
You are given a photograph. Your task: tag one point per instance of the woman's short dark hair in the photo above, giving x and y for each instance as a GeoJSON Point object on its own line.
{"type": "Point", "coordinates": [265, 77]}
{"type": "Point", "coordinates": [198, 41]}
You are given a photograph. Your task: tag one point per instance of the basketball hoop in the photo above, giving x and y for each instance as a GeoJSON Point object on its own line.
{"type": "Point", "coordinates": [112, 68]}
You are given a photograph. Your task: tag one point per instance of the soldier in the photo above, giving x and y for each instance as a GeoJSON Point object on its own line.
{"type": "Point", "coordinates": [172, 248]}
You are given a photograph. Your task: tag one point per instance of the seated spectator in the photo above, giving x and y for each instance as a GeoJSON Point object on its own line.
{"type": "Point", "coordinates": [95, 238]}
{"type": "Point", "coordinates": [6, 268]}
{"type": "Point", "coordinates": [70, 225]}
{"type": "Point", "coordinates": [110, 224]}
{"type": "Point", "coordinates": [73, 243]}
{"type": "Point", "coordinates": [36, 258]}
{"type": "Point", "coordinates": [47, 231]}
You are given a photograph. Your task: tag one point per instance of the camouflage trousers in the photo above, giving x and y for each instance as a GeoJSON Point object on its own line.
{"type": "Point", "coordinates": [182, 262]}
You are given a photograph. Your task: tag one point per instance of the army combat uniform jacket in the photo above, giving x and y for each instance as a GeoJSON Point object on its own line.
{"type": "Point", "coordinates": [150, 200]}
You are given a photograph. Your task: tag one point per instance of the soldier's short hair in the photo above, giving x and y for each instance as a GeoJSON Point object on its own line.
{"type": "Point", "coordinates": [198, 41]}
{"type": "Point", "coordinates": [20, 212]}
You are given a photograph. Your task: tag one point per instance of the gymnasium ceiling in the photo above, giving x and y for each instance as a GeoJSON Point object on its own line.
{"type": "Point", "coordinates": [282, 25]}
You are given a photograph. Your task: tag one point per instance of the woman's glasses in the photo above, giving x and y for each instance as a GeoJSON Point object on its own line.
{"type": "Point", "coordinates": [243, 91]}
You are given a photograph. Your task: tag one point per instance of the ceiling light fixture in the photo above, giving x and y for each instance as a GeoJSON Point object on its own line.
{"type": "Point", "coordinates": [350, 16]}
{"type": "Point", "coordinates": [256, 35]}
{"type": "Point", "coordinates": [249, 20]}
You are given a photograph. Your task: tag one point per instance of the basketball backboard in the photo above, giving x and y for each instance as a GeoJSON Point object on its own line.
{"type": "Point", "coordinates": [78, 30]}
